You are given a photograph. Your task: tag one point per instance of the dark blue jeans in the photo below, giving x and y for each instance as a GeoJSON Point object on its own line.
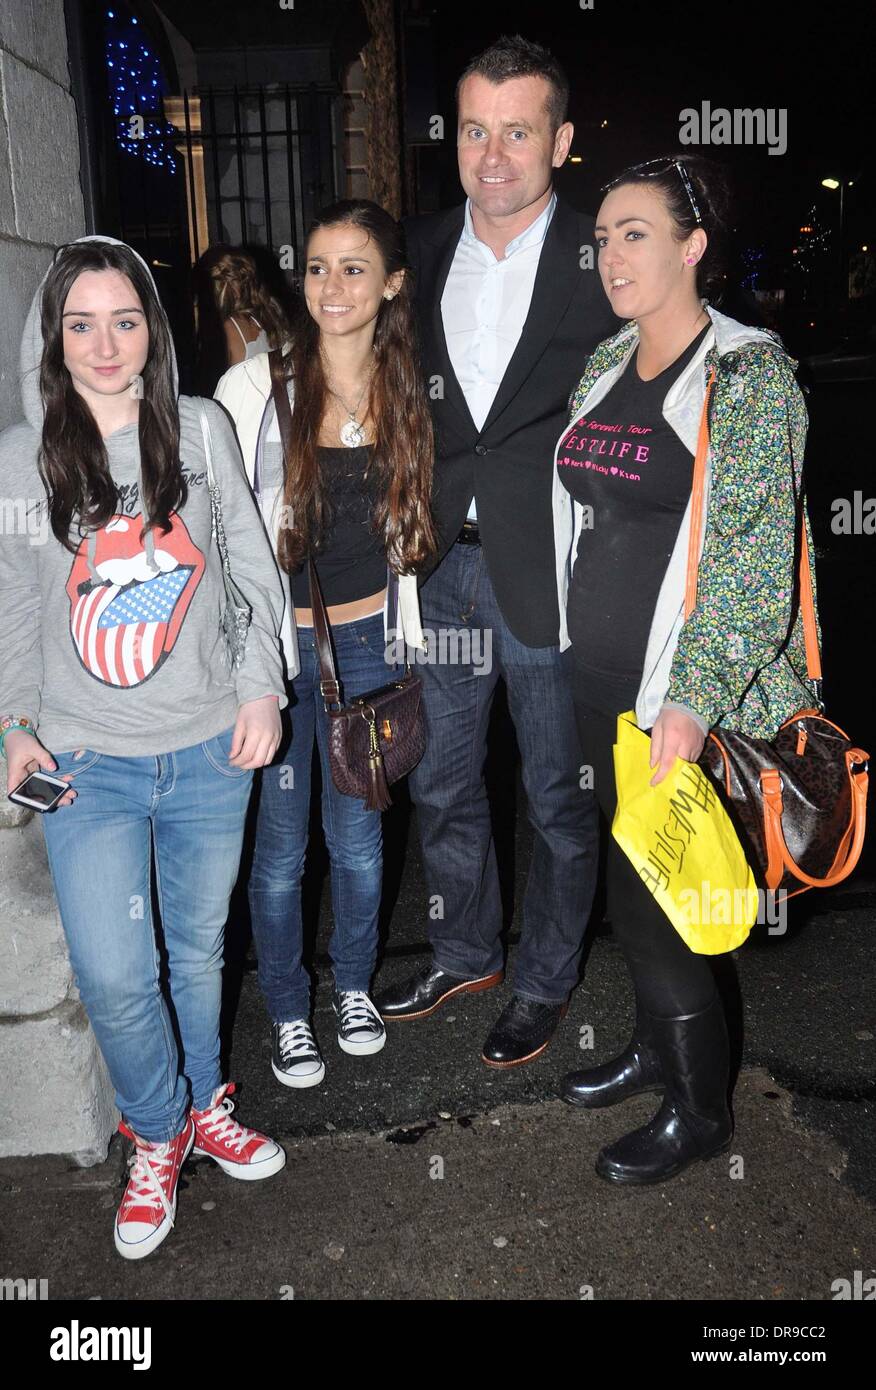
{"type": "Point", "coordinates": [451, 799]}
{"type": "Point", "coordinates": [353, 835]}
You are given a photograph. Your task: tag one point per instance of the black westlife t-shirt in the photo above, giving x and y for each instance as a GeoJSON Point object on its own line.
{"type": "Point", "coordinates": [625, 461]}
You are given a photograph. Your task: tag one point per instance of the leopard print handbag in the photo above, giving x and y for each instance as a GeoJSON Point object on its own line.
{"type": "Point", "coordinates": [798, 801]}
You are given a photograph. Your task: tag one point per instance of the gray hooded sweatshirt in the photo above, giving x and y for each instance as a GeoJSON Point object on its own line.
{"type": "Point", "coordinates": [117, 648]}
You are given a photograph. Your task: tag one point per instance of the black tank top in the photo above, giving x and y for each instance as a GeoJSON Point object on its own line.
{"type": "Point", "coordinates": [351, 562]}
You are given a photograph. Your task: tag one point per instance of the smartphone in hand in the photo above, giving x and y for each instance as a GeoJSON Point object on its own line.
{"type": "Point", "coordinates": [39, 791]}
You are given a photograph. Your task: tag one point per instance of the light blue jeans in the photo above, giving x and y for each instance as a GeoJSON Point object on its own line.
{"type": "Point", "coordinates": [189, 808]}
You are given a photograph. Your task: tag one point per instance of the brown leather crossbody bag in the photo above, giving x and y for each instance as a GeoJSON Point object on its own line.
{"type": "Point", "coordinates": [798, 800]}
{"type": "Point", "coordinates": [375, 738]}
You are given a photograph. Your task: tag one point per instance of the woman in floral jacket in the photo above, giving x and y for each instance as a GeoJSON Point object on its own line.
{"type": "Point", "coordinates": [622, 517]}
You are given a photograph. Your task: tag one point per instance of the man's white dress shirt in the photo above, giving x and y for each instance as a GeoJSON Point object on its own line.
{"type": "Point", "coordinates": [484, 307]}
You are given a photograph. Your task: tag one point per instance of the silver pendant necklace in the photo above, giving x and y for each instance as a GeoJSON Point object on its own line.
{"type": "Point", "coordinates": [351, 433]}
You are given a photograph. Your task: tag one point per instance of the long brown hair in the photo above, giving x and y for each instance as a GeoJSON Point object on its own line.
{"type": "Point", "coordinates": [73, 460]}
{"type": "Point", "coordinates": [404, 446]}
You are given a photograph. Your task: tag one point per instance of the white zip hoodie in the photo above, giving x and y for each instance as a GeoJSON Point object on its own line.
{"type": "Point", "coordinates": [682, 409]}
{"type": "Point", "coordinates": [245, 392]}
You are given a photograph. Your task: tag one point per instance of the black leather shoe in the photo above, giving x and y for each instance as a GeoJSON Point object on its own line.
{"type": "Point", "coordinates": [523, 1030]}
{"type": "Point", "coordinates": [634, 1072]}
{"type": "Point", "coordinates": [694, 1120]}
{"type": "Point", "coordinates": [424, 992]}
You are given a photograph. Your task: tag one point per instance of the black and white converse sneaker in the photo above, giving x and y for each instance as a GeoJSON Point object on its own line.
{"type": "Point", "coordinates": [360, 1027]}
{"type": "Point", "coordinates": [295, 1059]}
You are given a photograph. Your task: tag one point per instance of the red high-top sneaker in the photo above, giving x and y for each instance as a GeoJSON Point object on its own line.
{"type": "Point", "coordinates": [241, 1153]}
{"type": "Point", "coordinates": [148, 1207]}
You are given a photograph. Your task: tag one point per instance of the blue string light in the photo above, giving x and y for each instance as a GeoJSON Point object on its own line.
{"type": "Point", "coordinates": [136, 85]}
{"type": "Point", "coordinates": [752, 257]}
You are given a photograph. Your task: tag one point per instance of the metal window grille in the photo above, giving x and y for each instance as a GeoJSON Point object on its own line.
{"type": "Point", "coordinates": [257, 162]}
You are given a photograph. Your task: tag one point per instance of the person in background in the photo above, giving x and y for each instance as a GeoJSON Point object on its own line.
{"type": "Point", "coordinates": [355, 496]}
{"type": "Point", "coordinates": [509, 305]}
{"type": "Point", "coordinates": [114, 675]}
{"type": "Point", "coordinates": [238, 315]}
{"type": "Point", "coordinates": [738, 660]}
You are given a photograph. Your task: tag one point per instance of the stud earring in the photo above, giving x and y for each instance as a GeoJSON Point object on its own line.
{"type": "Point", "coordinates": [691, 261]}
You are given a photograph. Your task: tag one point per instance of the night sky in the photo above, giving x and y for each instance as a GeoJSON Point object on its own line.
{"type": "Point", "coordinates": [638, 65]}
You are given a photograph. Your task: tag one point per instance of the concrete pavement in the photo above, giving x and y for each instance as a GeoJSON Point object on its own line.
{"type": "Point", "coordinates": [421, 1173]}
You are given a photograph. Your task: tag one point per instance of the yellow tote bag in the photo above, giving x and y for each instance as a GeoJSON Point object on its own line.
{"type": "Point", "coordinates": [682, 844]}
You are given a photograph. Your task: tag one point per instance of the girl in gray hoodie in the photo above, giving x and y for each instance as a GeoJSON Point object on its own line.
{"type": "Point", "coordinates": [115, 676]}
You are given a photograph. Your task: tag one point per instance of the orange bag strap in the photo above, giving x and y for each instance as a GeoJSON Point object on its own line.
{"type": "Point", "coordinates": [807, 608]}
{"type": "Point", "coordinates": [696, 506]}
{"type": "Point", "coordinates": [807, 604]}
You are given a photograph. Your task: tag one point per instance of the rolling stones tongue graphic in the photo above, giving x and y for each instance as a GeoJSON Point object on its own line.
{"type": "Point", "coordinates": [125, 621]}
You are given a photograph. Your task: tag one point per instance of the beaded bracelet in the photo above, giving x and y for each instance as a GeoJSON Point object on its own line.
{"type": "Point", "coordinates": [11, 722]}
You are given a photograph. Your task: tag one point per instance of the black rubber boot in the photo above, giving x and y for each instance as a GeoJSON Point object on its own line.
{"type": "Point", "coordinates": [694, 1120]}
{"type": "Point", "coordinates": [634, 1072]}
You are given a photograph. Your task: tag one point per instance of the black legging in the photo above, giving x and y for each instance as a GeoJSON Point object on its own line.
{"type": "Point", "coordinates": [670, 979]}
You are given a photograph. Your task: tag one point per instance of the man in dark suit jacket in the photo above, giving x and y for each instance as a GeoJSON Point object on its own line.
{"type": "Point", "coordinates": [510, 307]}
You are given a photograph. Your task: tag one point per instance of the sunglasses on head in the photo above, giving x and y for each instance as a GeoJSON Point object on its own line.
{"type": "Point", "coordinates": [650, 169]}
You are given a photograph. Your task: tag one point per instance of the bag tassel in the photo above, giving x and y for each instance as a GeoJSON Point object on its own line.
{"type": "Point", "coordinates": [378, 798]}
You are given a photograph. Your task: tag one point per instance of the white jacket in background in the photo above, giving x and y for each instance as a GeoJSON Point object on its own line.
{"type": "Point", "coordinates": [245, 392]}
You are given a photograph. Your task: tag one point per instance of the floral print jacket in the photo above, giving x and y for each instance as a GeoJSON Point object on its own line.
{"type": "Point", "coordinates": [740, 658]}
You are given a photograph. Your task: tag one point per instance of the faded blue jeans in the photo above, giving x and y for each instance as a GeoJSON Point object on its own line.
{"type": "Point", "coordinates": [353, 835]}
{"type": "Point", "coordinates": [190, 806]}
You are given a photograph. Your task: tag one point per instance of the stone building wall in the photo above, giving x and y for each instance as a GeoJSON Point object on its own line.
{"type": "Point", "coordinates": [55, 1096]}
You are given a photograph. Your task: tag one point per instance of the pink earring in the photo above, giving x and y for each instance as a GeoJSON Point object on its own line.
{"type": "Point", "coordinates": [691, 261]}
